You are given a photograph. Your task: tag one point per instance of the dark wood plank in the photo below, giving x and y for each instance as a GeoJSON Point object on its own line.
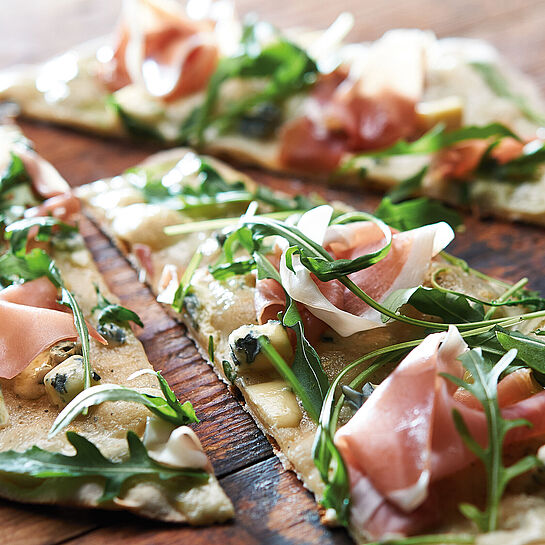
{"type": "Point", "coordinates": [271, 508]}
{"type": "Point", "coordinates": [41, 525]}
{"type": "Point", "coordinates": [227, 432]}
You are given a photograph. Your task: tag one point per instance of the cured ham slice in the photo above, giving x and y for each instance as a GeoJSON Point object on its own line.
{"type": "Point", "coordinates": [371, 109]}
{"type": "Point", "coordinates": [29, 326]}
{"type": "Point", "coordinates": [162, 49]}
{"type": "Point", "coordinates": [63, 207]}
{"type": "Point", "coordinates": [32, 321]}
{"type": "Point", "coordinates": [46, 181]}
{"type": "Point", "coordinates": [405, 266]}
{"type": "Point", "coordinates": [462, 159]}
{"type": "Point", "coordinates": [403, 439]}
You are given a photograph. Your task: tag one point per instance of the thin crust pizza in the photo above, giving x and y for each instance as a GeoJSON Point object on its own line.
{"type": "Point", "coordinates": [84, 419]}
{"type": "Point", "coordinates": [450, 115]}
{"type": "Point", "coordinates": [404, 388]}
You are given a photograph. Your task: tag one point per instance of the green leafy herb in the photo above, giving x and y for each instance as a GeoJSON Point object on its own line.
{"type": "Point", "coordinates": [211, 347]}
{"type": "Point", "coordinates": [114, 313]}
{"type": "Point", "coordinates": [500, 86]}
{"type": "Point", "coordinates": [135, 127]}
{"type": "Point", "coordinates": [230, 373]}
{"type": "Point", "coordinates": [408, 187]}
{"type": "Point", "coordinates": [525, 167]}
{"type": "Point", "coordinates": [484, 388]}
{"type": "Point", "coordinates": [531, 351]}
{"type": "Point", "coordinates": [435, 140]}
{"type": "Point", "coordinates": [287, 68]}
{"type": "Point", "coordinates": [18, 232]}
{"type": "Point", "coordinates": [36, 466]}
{"type": "Point", "coordinates": [168, 407]}
{"type": "Point", "coordinates": [185, 282]}
{"type": "Point", "coordinates": [416, 213]}
{"type": "Point", "coordinates": [14, 174]}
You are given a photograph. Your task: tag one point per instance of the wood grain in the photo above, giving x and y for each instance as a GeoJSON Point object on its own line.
{"type": "Point", "coordinates": [272, 507]}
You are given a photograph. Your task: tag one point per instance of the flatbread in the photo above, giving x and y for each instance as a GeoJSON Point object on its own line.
{"type": "Point", "coordinates": [31, 415]}
{"type": "Point", "coordinates": [215, 308]}
{"type": "Point", "coordinates": [456, 81]}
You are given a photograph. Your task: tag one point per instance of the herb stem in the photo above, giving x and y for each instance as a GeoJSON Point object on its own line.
{"type": "Point", "coordinates": [285, 370]}
{"type": "Point", "coordinates": [220, 223]}
{"type": "Point", "coordinates": [513, 289]}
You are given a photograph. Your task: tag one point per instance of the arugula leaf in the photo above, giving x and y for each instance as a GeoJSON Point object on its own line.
{"type": "Point", "coordinates": [28, 471]}
{"type": "Point", "coordinates": [306, 375]}
{"type": "Point", "coordinates": [68, 299]}
{"type": "Point", "coordinates": [29, 266]}
{"type": "Point", "coordinates": [114, 313]}
{"type": "Point", "coordinates": [168, 407]}
{"type": "Point", "coordinates": [499, 85]}
{"type": "Point", "coordinates": [451, 307]}
{"type": "Point", "coordinates": [416, 213]}
{"type": "Point", "coordinates": [524, 167]}
{"type": "Point", "coordinates": [484, 388]}
{"type": "Point", "coordinates": [435, 140]}
{"type": "Point", "coordinates": [531, 351]}
{"type": "Point", "coordinates": [18, 232]}
{"type": "Point", "coordinates": [287, 68]}
{"type": "Point", "coordinates": [14, 174]}
{"type": "Point", "coordinates": [135, 127]}
{"type": "Point", "coordinates": [185, 282]}
{"type": "Point", "coordinates": [408, 187]}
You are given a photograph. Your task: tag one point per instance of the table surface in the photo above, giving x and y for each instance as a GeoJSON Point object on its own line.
{"type": "Point", "coordinates": [272, 506]}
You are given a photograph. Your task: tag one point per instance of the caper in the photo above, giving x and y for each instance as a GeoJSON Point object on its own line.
{"type": "Point", "coordinates": [113, 333]}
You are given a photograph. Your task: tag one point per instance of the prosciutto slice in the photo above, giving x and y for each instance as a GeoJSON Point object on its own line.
{"type": "Point", "coordinates": [405, 266]}
{"type": "Point", "coordinates": [370, 109]}
{"type": "Point", "coordinates": [46, 180]}
{"type": "Point", "coordinates": [164, 50]}
{"type": "Point", "coordinates": [403, 440]}
{"type": "Point", "coordinates": [64, 207]}
{"type": "Point", "coordinates": [32, 321]}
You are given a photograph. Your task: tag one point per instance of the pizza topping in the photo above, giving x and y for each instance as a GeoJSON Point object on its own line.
{"type": "Point", "coordinates": [410, 439]}
{"type": "Point", "coordinates": [280, 69]}
{"type": "Point", "coordinates": [162, 49]}
{"type": "Point", "coordinates": [405, 265]}
{"type": "Point", "coordinates": [246, 350]}
{"type": "Point", "coordinates": [178, 447]}
{"type": "Point", "coordinates": [65, 207]}
{"type": "Point", "coordinates": [113, 319]}
{"type": "Point", "coordinates": [165, 406]}
{"type": "Point", "coordinates": [369, 110]}
{"type": "Point", "coordinates": [4, 414]}
{"type": "Point", "coordinates": [64, 382]}
{"type": "Point", "coordinates": [276, 403]}
{"type": "Point", "coordinates": [24, 309]}
{"type": "Point", "coordinates": [45, 179]}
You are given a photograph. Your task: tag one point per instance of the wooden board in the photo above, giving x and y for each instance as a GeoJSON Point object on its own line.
{"type": "Point", "coordinates": [272, 507]}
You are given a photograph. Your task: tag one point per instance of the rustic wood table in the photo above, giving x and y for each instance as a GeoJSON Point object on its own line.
{"type": "Point", "coordinates": [271, 505]}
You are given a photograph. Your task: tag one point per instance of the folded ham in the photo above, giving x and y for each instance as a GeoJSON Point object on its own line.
{"type": "Point", "coordinates": [403, 440]}
{"type": "Point", "coordinates": [332, 304]}
{"type": "Point", "coordinates": [161, 48]}
{"type": "Point", "coordinates": [32, 321]}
